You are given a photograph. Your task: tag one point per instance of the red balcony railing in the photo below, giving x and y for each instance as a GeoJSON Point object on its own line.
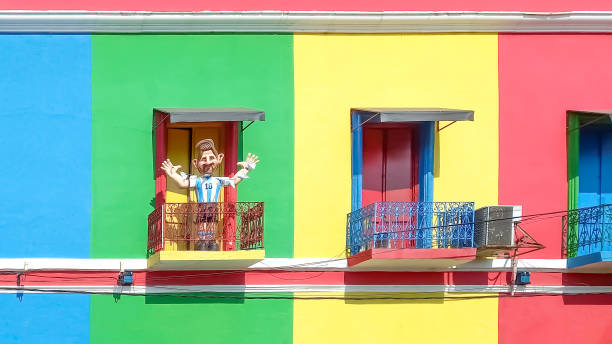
{"type": "Point", "coordinates": [223, 226]}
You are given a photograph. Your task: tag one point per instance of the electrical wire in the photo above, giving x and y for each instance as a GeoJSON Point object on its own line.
{"type": "Point", "coordinates": [524, 219]}
{"type": "Point", "coordinates": [234, 295]}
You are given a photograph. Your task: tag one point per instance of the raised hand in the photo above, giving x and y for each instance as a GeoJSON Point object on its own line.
{"type": "Point", "coordinates": [170, 169]}
{"type": "Point", "coordinates": [251, 160]}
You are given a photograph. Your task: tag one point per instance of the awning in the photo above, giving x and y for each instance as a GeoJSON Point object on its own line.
{"type": "Point", "coordinates": [394, 115]}
{"type": "Point", "coordinates": [593, 116]}
{"type": "Point", "coordinates": [212, 114]}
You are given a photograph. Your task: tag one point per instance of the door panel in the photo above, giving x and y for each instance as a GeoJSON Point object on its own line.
{"type": "Point", "coordinates": [595, 186]}
{"type": "Point", "coordinates": [606, 167]}
{"type": "Point", "coordinates": [178, 153]}
{"type": "Point", "coordinates": [390, 174]}
{"type": "Point", "coordinates": [595, 167]}
{"type": "Point", "coordinates": [214, 131]}
{"type": "Point", "coordinates": [400, 170]}
{"type": "Point", "coordinates": [372, 166]}
{"type": "Point", "coordinates": [606, 187]}
{"type": "Point", "coordinates": [390, 165]}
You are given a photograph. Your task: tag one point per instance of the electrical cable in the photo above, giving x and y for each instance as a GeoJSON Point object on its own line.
{"type": "Point", "coordinates": [529, 217]}
{"type": "Point", "coordinates": [525, 218]}
{"type": "Point", "coordinates": [293, 297]}
{"type": "Point", "coordinates": [384, 296]}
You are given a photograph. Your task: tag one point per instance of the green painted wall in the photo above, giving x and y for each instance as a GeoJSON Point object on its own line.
{"type": "Point", "coordinates": [173, 319]}
{"type": "Point", "coordinates": [132, 74]}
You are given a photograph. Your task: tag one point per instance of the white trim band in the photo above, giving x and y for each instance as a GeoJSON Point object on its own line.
{"type": "Point", "coordinates": [306, 288]}
{"type": "Point", "coordinates": [294, 21]}
{"type": "Point", "coordinates": [284, 264]}
{"type": "Point", "coordinates": [71, 264]}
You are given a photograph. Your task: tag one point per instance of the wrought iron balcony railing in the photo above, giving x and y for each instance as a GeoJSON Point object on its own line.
{"type": "Point", "coordinates": [587, 230]}
{"type": "Point", "coordinates": [220, 226]}
{"type": "Point", "coordinates": [410, 225]}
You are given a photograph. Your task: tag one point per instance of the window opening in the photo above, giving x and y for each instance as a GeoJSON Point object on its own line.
{"type": "Point", "coordinates": [588, 225]}
{"type": "Point", "coordinates": [179, 221]}
{"type": "Point", "coordinates": [392, 161]}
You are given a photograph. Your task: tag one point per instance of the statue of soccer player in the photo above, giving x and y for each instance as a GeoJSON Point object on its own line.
{"type": "Point", "coordinates": [208, 189]}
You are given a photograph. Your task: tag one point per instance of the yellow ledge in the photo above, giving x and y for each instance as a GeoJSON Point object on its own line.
{"type": "Point", "coordinates": [204, 260]}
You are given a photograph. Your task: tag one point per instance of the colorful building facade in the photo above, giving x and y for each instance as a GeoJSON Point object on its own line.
{"type": "Point", "coordinates": [81, 149]}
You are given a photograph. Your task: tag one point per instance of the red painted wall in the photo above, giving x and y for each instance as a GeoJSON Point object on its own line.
{"type": "Point", "coordinates": [540, 78]}
{"type": "Point", "coordinates": [570, 319]}
{"type": "Point", "coordinates": [309, 5]}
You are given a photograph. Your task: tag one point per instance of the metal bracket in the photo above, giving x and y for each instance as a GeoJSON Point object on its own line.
{"type": "Point", "coordinates": [514, 270]}
{"type": "Point", "coordinates": [244, 128]}
{"type": "Point", "coordinates": [19, 283]}
{"type": "Point", "coordinates": [589, 122]}
{"type": "Point", "coordinates": [446, 126]}
{"type": "Point", "coordinates": [364, 122]}
{"type": "Point", "coordinates": [525, 240]}
{"type": "Point", "coordinates": [157, 124]}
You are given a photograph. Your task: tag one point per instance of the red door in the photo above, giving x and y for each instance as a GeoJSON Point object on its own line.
{"type": "Point", "coordinates": [390, 174]}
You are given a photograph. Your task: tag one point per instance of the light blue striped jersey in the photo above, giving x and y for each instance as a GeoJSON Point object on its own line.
{"type": "Point", "coordinates": [207, 187]}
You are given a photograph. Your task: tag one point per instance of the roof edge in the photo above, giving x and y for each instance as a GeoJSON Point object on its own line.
{"type": "Point", "coordinates": [292, 21]}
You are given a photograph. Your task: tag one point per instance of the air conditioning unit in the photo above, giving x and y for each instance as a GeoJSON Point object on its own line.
{"type": "Point", "coordinates": [494, 225]}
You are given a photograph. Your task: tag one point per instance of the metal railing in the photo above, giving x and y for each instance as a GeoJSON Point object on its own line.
{"type": "Point", "coordinates": [410, 225]}
{"type": "Point", "coordinates": [223, 226]}
{"type": "Point", "coordinates": [587, 230]}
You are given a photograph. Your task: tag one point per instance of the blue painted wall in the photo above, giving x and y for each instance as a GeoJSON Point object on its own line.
{"type": "Point", "coordinates": [45, 145]}
{"type": "Point", "coordinates": [44, 318]}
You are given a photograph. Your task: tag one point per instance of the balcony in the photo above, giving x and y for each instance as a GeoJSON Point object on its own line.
{"type": "Point", "coordinates": [420, 235]}
{"type": "Point", "coordinates": [587, 239]}
{"type": "Point", "coordinates": [188, 236]}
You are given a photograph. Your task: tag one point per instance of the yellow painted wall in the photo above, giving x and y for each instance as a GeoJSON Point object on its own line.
{"type": "Point", "coordinates": [395, 321]}
{"type": "Point", "coordinates": [334, 72]}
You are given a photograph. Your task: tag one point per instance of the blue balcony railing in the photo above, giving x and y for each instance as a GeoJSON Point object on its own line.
{"type": "Point", "coordinates": [587, 230]}
{"type": "Point", "coordinates": [410, 225]}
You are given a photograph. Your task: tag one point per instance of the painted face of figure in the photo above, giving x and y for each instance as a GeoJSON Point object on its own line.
{"type": "Point", "coordinates": [208, 162]}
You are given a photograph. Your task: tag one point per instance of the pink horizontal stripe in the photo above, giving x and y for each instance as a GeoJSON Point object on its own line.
{"type": "Point", "coordinates": [69, 278]}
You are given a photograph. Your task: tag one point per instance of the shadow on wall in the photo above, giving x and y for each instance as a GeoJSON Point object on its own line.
{"type": "Point", "coordinates": [573, 279]}
{"type": "Point", "coordinates": [182, 288]}
{"type": "Point", "coordinates": [422, 278]}
{"type": "Point", "coordinates": [593, 299]}
{"type": "Point", "coordinates": [393, 278]}
{"type": "Point", "coordinates": [191, 298]}
{"type": "Point", "coordinates": [436, 168]}
{"type": "Point", "coordinates": [173, 298]}
{"type": "Point", "coordinates": [361, 298]}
